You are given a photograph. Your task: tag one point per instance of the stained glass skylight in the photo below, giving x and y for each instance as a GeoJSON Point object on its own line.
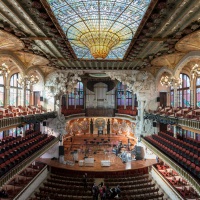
{"type": "Point", "coordinates": [99, 28]}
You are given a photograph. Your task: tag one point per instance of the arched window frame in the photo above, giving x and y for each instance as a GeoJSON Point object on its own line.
{"type": "Point", "coordinates": [16, 91]}
{"type": "Point", "coordinates": [77, 96]}
{"type": "Point", "coordinates": [183, 92]}
{"type": "Point", "coordinates": [198, 92]}
{"type": "Point", "coordinates": [28, 95]}
{"type": "Point", "coordinates": [2, 89]}
{"type": "Point", "coordinates": [121, 92]}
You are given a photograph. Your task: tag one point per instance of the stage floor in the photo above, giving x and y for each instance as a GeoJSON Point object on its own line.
{"type": "Point", "coordinates": [100, 148]}
{"type": "Point", "coordinates": [116, 165]}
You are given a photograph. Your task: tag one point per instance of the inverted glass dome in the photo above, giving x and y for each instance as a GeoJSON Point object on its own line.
{"type": "Point", "coordinates": [99, 29]}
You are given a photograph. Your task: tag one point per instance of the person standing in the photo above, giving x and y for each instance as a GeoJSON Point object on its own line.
{"type": "Point", "coordinates": [95, 192]}
{"type": "Point", "coordinates": [85, 181]}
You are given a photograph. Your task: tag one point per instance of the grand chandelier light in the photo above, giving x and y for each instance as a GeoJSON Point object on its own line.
{"type": "Point", "coordinates": [170, 81]}
{"type": "Point", "coordinates": [100, 43]}
{"type": "Point", "coordinates": [4, 70]}
{"type": "Point", "coordinates": [99, 29]}
{"type": "Point", "coordinates": [28, 80]}
{"type": "Point", "coordinates": [195, 71]}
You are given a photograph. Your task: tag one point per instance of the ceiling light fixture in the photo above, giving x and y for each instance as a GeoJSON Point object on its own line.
{"type": "Point", "coordinates": [28, 80]}
{"type": "Point", "coordinates": [4, 70]}
{"type": "Point", "coordinates": [100, 43]}
{"type": "Point", "coordinates": [170, 81]}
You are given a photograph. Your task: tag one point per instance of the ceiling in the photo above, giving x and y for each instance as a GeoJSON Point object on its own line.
{"type": "Point", "coordinates": [162, 38]}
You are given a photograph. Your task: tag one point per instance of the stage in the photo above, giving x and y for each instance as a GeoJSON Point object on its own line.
{"type": "Point", "coordinates": [98, 148]}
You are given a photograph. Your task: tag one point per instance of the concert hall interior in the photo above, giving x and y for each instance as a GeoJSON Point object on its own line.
{"type": "Point", "coordinates": [99, 99]}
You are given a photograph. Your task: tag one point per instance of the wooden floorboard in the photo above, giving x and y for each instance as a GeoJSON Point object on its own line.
{"type": "Point", "coordinates": [98, 149]}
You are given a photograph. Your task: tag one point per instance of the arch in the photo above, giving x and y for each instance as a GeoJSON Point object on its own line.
{"type": "Point", "coordinates": [16, 60]}
{"type": "Point", "coordinates": [188, 57]}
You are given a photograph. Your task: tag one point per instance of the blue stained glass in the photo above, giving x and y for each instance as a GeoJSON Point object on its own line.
{"type": "Point", "coordinates": [121, 17]}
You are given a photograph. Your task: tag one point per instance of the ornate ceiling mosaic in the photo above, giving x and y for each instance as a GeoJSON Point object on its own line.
{"type": "Point", "coordinates": [99, 29]}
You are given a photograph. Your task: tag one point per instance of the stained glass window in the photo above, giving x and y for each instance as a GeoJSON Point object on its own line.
{"type": "Point", "coordinates": [123, 97]}
{"type": "Point", "coordinates": [115, 21]}
{"type": "Point", "coordinates": [16, 92]}
{"type": "Point", "coordinates": [198, 91]}
{"type": "Point", "coordinates": [77, 96]}
{"type": "Point", "coordinates": [1, 91]}
{"type": "Point", "coordinates": [184, 92]}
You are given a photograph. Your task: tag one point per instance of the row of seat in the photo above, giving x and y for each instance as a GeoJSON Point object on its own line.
{"type": "Point", "coordinates": [22, 152]}
{"type": "Point", "coordinates": [130, 178]}
{"type": "Point", "coordinates": [12, 111]}
{"type": "Point", "coordinates": [191, 167]}
{"type": "Point", "coordinates": [71, 111]}
{"type": "Point", "coordinates": [13, 187]}
{"type": "Point", "coordinates": [179, 184]}
{"type": "Point", "coordinates": [185, 144]}
{"type": "Point", "coordinates": [177, 149]}
{"type": "Point", "coordinates": [16, 141]}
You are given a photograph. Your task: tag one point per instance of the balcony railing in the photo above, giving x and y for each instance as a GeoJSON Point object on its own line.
{"type": "Point", "coordinates": [25, 163]}
{"type": "Point", "coordinates": [173, 165]}
{"type": "Point", "coordinates": [6, 122]}
{"type": "Point", "coordinates": [192, 123]}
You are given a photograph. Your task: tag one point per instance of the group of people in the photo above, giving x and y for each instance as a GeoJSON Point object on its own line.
{"type": "Point", "coordinates": [101, 190]}
{"type": "Point", "coordinates": [105, 192]}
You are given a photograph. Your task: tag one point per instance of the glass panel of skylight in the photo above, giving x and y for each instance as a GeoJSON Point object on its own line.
{"type": "Point", "coordinates": [121, 17]}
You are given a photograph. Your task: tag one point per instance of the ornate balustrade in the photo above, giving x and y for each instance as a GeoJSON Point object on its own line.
{"type": "Point", "coordinates": [192, 123]}
{"type": "Point", "coordinates": [173, 165]}
{"type": "Point", "coordinates": [161, 119]}
{"type": "Point", "coordinates": [6, 122]}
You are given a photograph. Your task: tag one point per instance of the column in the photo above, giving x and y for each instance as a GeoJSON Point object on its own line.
{"type": "Point", "coordinates": [192, 98]}
{"type": "Point", "coordinates": [142, 115]}
{"type": "Point", "coordinates": [31, 98]}
{"type": "Point", "coordinates": [7, 96]}
{"type": "Point", "coordinates": [75, 93]}
{"type": "Point", "coordinates": [133, 101]}
{"type": "Point", "coordinates": [175, 98]}
{"type": "Point", "coordinates": [67, 102]}
{"type": "Point", "coordinates": [175, 131]}
{"type": "Point", "coordinates": [125, 97]}
{"type": "Point", "coordinates": [24, 100]}
{"type": "Point", "coordinates": [168, 98]}
{"type": "Point", "coordinates": [84, 92]}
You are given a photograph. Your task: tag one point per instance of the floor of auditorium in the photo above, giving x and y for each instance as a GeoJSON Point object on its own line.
{"type": "Point", "coordinates": [100, 148]}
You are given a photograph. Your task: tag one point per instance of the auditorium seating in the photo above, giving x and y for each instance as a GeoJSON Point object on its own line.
{"type": "Point", "coordinates": [135, 187]}
{"type": "Point", "coordinates": [14, 150]}
{"type": "Point", "coordinates": [20, 181]}
{"type": "Point", "coordinates": [177, 182]}
{"type": "Point", "coordinates": [68, 185]}
{"type": "Point", "coordinates": [127, 111]}
{"type": "Point", "coordinates": [186, 153]}
{"type": "Point", "coordinates": [65, 187]}
{"type": "Point", "coordinates": [180, 112]}
{"type": "Point", "coordinates": [12, 111]}
{"type": "Point", "coordinates": [72, 111]}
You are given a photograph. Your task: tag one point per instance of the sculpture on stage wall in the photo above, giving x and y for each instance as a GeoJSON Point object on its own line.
{"type": "Point", "coordinates": [108, 126]}
{"type": "Point", "coordinates": [91, 126]}
{"type": "Point", "coordinates": [143, 85]}
{"type": "Point", "coordinates": [59, 83]}
{"type": "Point", "coordinates": [58, 125]}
